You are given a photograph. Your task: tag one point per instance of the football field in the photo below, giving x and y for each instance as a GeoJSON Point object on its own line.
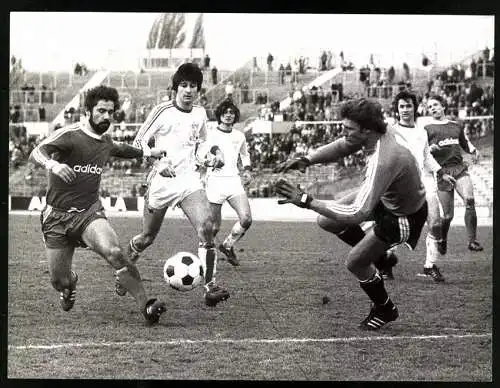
{"type": "Point", "coordinates": [293, 313]}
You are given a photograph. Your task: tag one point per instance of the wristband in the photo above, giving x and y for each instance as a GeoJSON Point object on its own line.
{"type": "Point", "coordinates": [51, 163]}
{"type": "Point", "coordinates": [305, 200]}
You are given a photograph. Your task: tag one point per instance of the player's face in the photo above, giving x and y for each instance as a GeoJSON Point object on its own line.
{"type": "Point", "coordinates": [186, 93]}
{"type": "Point", "coordinates": [435, 109]}
{"type": "Point", "coordinates": [228, 116]}
{"type": "Point", "coordinates": [353, 132]}
{"type": "Point", "coordinates": [101, 116]}
{"type": "Point", "coordinates": [406, 110]}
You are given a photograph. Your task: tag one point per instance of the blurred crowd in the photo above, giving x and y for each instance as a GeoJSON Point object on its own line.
{"type": "Point", "coordinates": [312, 111]}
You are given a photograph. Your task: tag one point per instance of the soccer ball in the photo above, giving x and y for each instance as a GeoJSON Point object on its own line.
{"type": "Point", "coordinates": [183, 271]}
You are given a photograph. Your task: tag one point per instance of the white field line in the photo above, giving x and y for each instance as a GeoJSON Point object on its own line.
{"type": "Point", "coordinates": [249, 341]}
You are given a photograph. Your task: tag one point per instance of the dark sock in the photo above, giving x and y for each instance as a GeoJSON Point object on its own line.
{"type": "Point", "coordinates": [208, 255]}
{"type": "Point", "coordinates": [446, 227]}
{"type": "Point", "coordinates": [374, 288]}
{"type": "Point", "coordinates": [470, 218]}
{"type": "Point", "coordinates": [352, 235]}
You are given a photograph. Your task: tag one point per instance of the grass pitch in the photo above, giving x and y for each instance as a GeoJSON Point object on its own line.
{"type": "Point", "coordinates": [293, 313]}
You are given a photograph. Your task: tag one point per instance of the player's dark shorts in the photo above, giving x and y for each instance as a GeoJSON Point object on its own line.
{"type": "Point", "coordinates": [395, 229]}
{"type": "Point", "coordinates": [64, 228]}
{"type": "Point", "coordinates": [457, 171]}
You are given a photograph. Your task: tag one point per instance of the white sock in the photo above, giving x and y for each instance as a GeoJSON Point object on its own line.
{"type": "Point", "coordinates": [432, 253]}
{"type": "Point", "coordinates": [237, 232]}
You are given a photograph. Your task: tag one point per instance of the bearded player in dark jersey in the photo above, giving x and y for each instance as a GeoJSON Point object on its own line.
{"type": "Point", "coordinates": [75, 157]}
{"type": "Point", "coordinates": [446, 141]}
{"type": "Point", "coordinates": [392, 194]}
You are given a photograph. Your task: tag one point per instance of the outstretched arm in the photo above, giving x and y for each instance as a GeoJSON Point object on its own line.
{"type": "Point", "coordinates": [124, 150]}
{"type": "Point", "coordinates": [328, 153]}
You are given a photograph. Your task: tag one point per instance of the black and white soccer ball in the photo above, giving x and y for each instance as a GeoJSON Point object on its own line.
{"type": "Point", "coordinates": [183, 271]}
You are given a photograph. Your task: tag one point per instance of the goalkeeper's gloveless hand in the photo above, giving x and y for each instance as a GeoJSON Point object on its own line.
{"type": "Point", "coordinates": [293, 164]}
{"type": "Point", "coordinates": [292, 194]}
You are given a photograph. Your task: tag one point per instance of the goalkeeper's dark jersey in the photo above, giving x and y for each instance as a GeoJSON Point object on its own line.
{"type": "Point", "coordinates": [450, 138]}
{"type": "Point", "coordinates": [392, 177]}
{"type": "Point", "coordinates": [86, 153]}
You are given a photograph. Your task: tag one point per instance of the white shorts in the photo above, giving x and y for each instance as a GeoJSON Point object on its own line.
{"type": "Point", "coordinates": [430, 185]}
{"type": "Point", "coordinates": [221, 188]}
{"type": "Point", "coordinates": [431, 195]}
{"type": "Point", "coordinates": [163, 192]}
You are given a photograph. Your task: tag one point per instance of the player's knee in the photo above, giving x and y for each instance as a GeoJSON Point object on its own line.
{"type": "Point", "coordinates": [205, 230]}
{"type": "Point", "coordinates": [246, 221]}
{"type": "Point", "coordinates": [351, 263]}
{"type": "Point", "coordinates": [115, 258]}
{"type": "Point", "coordinates": [470, 203]}
{"type": "Point", "coordinates": [447, 218]}
{"type": "Point", "coordinates": [435, 227]}
{"type": "Point", "coordinates": [328, 224]}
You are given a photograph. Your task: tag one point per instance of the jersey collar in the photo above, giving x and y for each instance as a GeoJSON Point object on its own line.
{"type": "Point", "coordinates": [434, 121]}
{"type": "Point", "coordinates": [85, 126]}
{"type": "Point", "coordinates": [181, 109]}
{"type": "Point", "coordinates": [223, 130]}
{"type": "Point", "coordinates": [405, 126]}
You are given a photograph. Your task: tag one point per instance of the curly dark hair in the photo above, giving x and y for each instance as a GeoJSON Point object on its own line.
{"type": "Point", "coordinates": [187, 72]}
{"type": "Point", "coordinates": [101, 92]}
{"type": "Point", "coordinates": [367, 113]}
{"type": "Point", "coordinates": [405, 95]}
{"type": "Point", "coordinates": [226, 104]}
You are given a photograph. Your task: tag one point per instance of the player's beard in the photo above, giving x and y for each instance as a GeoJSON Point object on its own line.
{"type": "Point", "coordinates": [101, 127]}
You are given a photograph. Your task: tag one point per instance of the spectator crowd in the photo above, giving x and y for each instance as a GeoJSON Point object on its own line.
{"type": "Point", "coordinates": [459, 85]}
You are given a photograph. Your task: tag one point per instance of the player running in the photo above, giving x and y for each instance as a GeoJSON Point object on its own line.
{"type": "Point", "coordinates": [225, 184]}
{"type": "Point", "coordinates": [392, 194]}
{"type": "Point", "coordinates": [445, 140]}
{"type": "Point", "coordinates": [413, 137]}
{"type": "Point", "coordinates": [75, 157]}
{"type": "Point", "coordinates": [179, 126]}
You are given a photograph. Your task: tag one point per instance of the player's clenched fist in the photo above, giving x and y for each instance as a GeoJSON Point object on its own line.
{"type": "Point", "coordinates": [62, 170]}
{"type": "Point", "coordinates": [293, 164]}
{"type": "Point", "coordinates": [292, 194]}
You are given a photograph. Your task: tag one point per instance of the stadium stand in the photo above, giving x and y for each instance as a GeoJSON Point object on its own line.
{"type": "Point", "coordinates": [302, 99]}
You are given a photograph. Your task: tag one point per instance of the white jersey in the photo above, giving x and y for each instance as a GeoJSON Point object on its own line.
{"type": "Point", "coordinates": [177, 131]}
{"type": "Point", "coordinates": [415, 139]}
{"type": "Point", "coordinates": [233, 146]}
